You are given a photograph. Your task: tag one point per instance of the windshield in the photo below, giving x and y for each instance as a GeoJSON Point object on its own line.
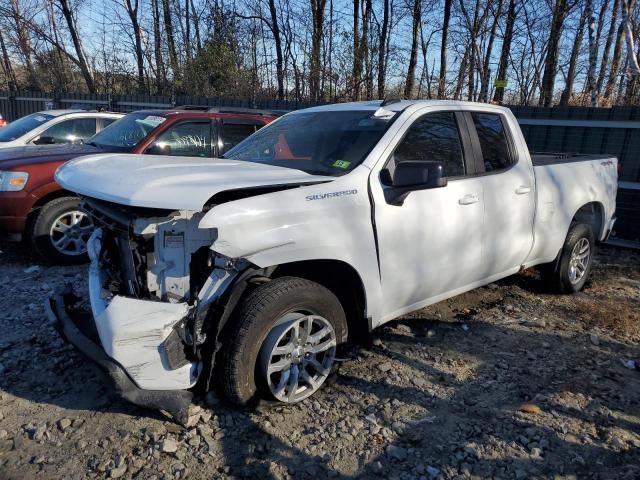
{"type": "Point", "coordinates": [23, 125]}
{"type": "Point", "coordinates": [126, 133]}
{"type": "Point", "coordinates": [322, 143]}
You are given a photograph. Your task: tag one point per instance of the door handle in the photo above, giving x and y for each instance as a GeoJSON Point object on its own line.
{"type": "Point", "coordinates": [468, 199]}
{"type": "Point", "coordinates": [522, 190]}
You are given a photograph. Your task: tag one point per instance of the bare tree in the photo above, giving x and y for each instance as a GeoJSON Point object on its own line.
{"type": "Point", "coordinates": [503, 64]}
{"type": "Point", "coordinates": [442, 78]}
{"type": "Point", "coordinates": [604, 63]}
{"type": "Point", "coordinates": [171, 44]}
{"type": "Point", "coordinates": [317, 15]}
{"type": "Point", "coordinates": [413, 56]}
{"type": "Point", "coordinates": [560, 10]}
{"type": "Point", "coordinates": [593, 54]}
{"type": "Point", "coordinates": [382, 49]}
{"type": "Point", "coordinates": [573, 59]}
{"type": "Point", "coordinates": [632, 59]}
{"type": "Point", "coordinates": [6, 65]}
{"type": "Point", "coordinates": [132, 9]}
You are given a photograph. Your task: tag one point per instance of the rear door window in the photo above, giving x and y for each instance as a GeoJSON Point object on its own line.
{"type": "Point", "coordinates": [234, 133]}
{"type": "Point", "coordinates": [188, 139]}
{"type": "Point", "coordinates": [76, 130]}
{"type": "Point", "coordinates": [494, 142]}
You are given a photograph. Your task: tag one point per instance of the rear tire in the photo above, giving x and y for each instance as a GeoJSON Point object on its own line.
{"type": "Point", "coordinates": [264, 324]}
{"type": "Point", "coordinates": [570, 271]}
{"type": "Point", "coordinates": [60, 231]}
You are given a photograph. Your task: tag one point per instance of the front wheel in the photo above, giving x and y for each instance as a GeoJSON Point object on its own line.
{"type": "Point", "coordinates": [281, 344]}
{"type": "Point", "coordinates": [60, 232]}
{"type": "Point", "coordinates": [570, 271]}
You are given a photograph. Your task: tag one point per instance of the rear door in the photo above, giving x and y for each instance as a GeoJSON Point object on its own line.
{"type": "Point", "coordinates": [509, 194]}
{"type": "Point", "coordinates": [234, 130]}
{"type": "Point", "coordinates": [187, 138]}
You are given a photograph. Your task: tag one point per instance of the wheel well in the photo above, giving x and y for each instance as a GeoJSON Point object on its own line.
{"type": "Point", "coordinates": [343, 281]}
{"type": "Point", "coordinates": [591, 214]}
{"type": "Point", "coordinates": [42, 201]}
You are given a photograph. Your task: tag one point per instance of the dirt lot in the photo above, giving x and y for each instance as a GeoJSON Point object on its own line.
{"type": "Point", "coordinates": [505, 382]}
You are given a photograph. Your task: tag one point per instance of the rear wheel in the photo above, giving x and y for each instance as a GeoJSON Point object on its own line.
{"type": "Point", "coordinates": [282, 342]}
{"type": "Point", "coordinates": [60, 232]}
{"type": "Point", "coordinates": [570, 271]}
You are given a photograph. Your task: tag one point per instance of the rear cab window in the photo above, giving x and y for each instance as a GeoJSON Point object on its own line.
{"type": "Point", "coordinates": [494, 140]}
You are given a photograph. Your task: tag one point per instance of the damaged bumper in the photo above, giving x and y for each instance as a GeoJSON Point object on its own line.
{"type": "Point", "coordinates": [78, 328]}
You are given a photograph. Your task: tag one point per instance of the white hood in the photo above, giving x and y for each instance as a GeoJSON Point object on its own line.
{"type": "Point", "coordinates": [176, 183]}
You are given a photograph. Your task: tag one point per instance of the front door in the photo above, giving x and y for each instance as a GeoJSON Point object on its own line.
{"type": "Point", "coordinates": [432, 243]}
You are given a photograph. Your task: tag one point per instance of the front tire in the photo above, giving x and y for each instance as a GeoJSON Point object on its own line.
{"type": "Point", "coordinates": [281, 343]}
{"type": "Point", "coordinates": [571, 270]}
{"type": "Point", "coordinates": [60, 231]}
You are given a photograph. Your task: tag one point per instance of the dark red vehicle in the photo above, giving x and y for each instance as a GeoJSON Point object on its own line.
{"type": "Point", "coordinates": [34, 207]}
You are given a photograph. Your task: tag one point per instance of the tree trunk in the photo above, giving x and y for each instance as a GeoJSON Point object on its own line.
{"type": "Point", "coordinates": [593, 54]}
{"type": "Point", "coordinates": [317, 18]}
{"type": "Point", "coordinates": [634, 68]}
{"type": "Point", "coordinates": [486, 77]}
{"type": "Point", "coordinates": [503, 65]}
{"type": "Point", "coordinates": [161, 73]}
{"type": "Point", "coordinates": [573, 60]}
{"type": "Point", "coordinates": [551, 62]}
{"type": "Point", "coordinates": [77, 44]}
{"type": "Point", "coordinates": [196, 26]}
{"type": "Point", "coordinates": [132, 11]}
{"type": "Point", "coordinates": [615, 64]}
{"type": "Point", "coordinates": [357, 57]}
{"type": "Point", "coordinates": [607, 46]}
{"type": "Point", "coordinates": [462, 75]}
{"type": "Point", "coordinates": [7, 67]}
{"type": "Point", "coordinates": [413, 58]}
{"type": "Point", "coordinates": [171, 44]}
{"type": "Point", "coordinates": [382, 49]}
{"type": "Point", "coordinates": [24, 45]}
{"type": "Point", "coordinates": [364, 46]}
{"type": "Point", "coordinates": [442, 78]}
{"type": "Point", "coordinates": [275, 29]}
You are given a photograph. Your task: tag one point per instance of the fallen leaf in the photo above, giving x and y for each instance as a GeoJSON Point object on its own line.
{"type": "Point", "coordinates": [530, 408]}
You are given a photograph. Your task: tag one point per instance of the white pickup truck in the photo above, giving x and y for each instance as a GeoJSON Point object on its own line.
{"type": "Point", "coordinates": [249, 271]}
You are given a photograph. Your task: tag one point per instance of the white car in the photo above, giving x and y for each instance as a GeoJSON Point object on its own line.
{"type": "Point", "coordinates": [248, 272]}
{"type": "Point", "coordinates": [54, 127]}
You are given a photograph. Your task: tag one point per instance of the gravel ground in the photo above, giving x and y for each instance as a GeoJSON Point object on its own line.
{"type": "Point", "coordinates": [507, 381]}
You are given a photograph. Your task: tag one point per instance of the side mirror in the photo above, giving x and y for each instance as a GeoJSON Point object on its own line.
{"type": "Point", "coordinates": [413, 175]}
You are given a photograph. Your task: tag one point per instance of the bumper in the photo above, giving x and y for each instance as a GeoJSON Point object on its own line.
{"type": "Point", "coordinates": [75, 327]}
{"type": "Point", "coordinates": [14, 209]}
{"type": "Point", "coordinates": [12, 227]}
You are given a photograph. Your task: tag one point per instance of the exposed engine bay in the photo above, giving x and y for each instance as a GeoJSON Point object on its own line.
{"type": "Point", "coordinates": [153, 277]}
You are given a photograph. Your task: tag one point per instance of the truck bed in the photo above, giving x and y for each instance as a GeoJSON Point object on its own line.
{"type": "Point", "coordinates": [540, 159]}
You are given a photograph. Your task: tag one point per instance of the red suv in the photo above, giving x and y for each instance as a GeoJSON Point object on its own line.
{"type": "Point", "coordinates": [32, 205]}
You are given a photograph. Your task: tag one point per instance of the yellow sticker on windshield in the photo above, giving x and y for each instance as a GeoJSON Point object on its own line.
{"type": "Point", "coordinates": [343, 164]}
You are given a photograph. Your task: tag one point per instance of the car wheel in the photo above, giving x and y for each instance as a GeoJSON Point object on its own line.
{"type": "Point", "coordinates": [282, 342]}
{"type": "Point", "coordinates": [570, 271]}
{"type": "Point", "coordinates": [60, 232]}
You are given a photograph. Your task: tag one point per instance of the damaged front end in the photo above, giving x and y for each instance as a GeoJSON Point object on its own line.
{"type": "Point", "coordinates": [153, 280]}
